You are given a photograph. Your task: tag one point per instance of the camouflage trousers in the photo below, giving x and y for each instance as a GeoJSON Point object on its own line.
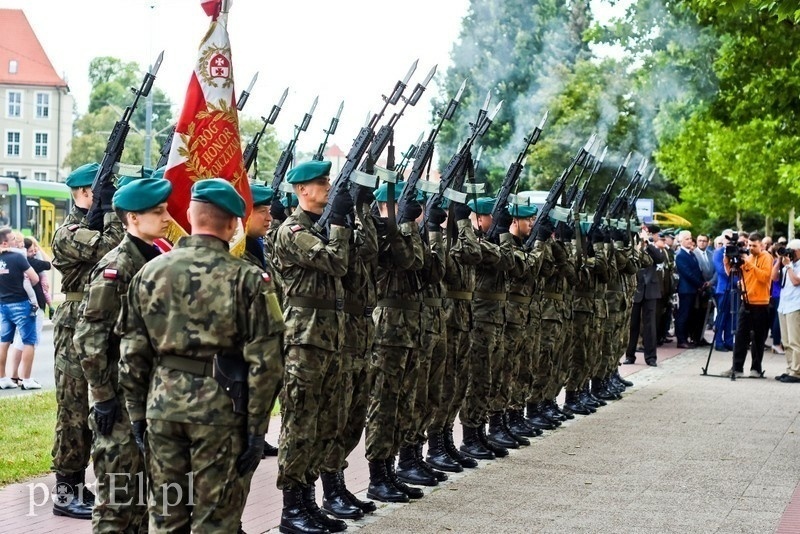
{"type": "Point", "coordinates": [458, 345]}
{"type": "Point", "coordinates": [194, 484]}
{"type": "Point", "coordinates": [391, 407]}
{"type": "Point", "coordinates": [73, 437]}
{"type": "Point", "coordinates": [355, 387]}
{"type": "Point", "coordinates": [579, 371]}
{"type": "Point", "coordinates": [487, 346]}
{"type": "Point", "coordinates": [612, 343]}
{"type": "Point", "coordinates": [121, 504]}
{"type": "Point", "coordinates": [551, 341]}
{"type": "Point", "coordinates": [564, 360]}
{"type": "Point", "coordinates": [311, 418]}
{"type": "Point", "coordinates": [428, 398]}
{"type": "Point", "coordinates": [595, 354]}
{"type": "Point", "coordinates": [528, 377]}
{"type": "Point", "coordinates": [506, 367]}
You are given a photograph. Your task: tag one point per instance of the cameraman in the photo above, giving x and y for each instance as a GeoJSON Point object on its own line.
{"type": "Point", "coordinates": [756, 268]}
{"type": "Point", "coordinates": [787, 272]}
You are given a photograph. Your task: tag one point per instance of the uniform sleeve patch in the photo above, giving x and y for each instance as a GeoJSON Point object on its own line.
{"type": "Point", "coordinates": [296, 228]}
{"type": "Point", "coordinates": [266, 277]}
{"type": "Point", "coordinates": [73, 227]}
{"type": "Point", "coordinates": [110, 274]}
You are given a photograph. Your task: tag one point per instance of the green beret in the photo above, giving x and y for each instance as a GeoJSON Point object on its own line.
{"type": "Point", "coordinates": [142, 194]}
{"type": "Point", "coordinates": [382, 193]}
{"type": "Point", "coordinates": [147, 172]}
{"type": "Point", "coordinates": [482, 206]}
{"type": "Point", "coordinates": [262, 194]}
{"type": "Point", "coordinates": [310, 170]}
{"type": "Point", "coordinates": [285, 200]}
{"type": "Point", "coordinates": [522, 211]}
{"type": "Point", "coordinates": [221, 193]}
{"type": "Point", "coordinates": [83, 176]}
{"type": "Point", "coordinates": [158, 174]}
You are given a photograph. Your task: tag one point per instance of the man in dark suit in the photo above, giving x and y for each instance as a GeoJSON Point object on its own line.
{"type": "Point", "coordinates": [648, 291]}
{"type": "Point", "coordinates": [705, 259]}
{"type": "Point", "coordinates": [690, 283]}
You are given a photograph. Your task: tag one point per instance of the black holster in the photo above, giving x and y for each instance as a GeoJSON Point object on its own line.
{"type": "Point", "coordinates": [230, 372]}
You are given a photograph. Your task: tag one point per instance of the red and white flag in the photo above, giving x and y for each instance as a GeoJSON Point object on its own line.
{"type": "Point", "coordinates": [206, 142]}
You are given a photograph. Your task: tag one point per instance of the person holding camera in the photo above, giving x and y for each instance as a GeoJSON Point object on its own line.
{"type": "Point", "coordinates": [756, 274]}
{"type": "Point", "coordinates": [787, 272]}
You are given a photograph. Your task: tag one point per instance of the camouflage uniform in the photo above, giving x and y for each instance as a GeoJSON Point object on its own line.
{"type": "Point", "coordinates": [114, 454]}
{"type": "Point", "coordinates": [360, 300]}
{"type": "Point", "coordinates": [463, 253]}
{"type": "Point", "coordinates": [182, 309]}
{"type": "Point", "coordinates": [488, 307]}
{"type": "Point", "coordinates": [615, 296]}
{"type": "Point", "coordinates": [312, 274]}
{"type": "Point", "coordinates": [397, 334]}
{"type": "Point", "coordinates": [76, 250]}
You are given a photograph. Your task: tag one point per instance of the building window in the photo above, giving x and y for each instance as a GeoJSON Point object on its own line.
{"type": "Point", "coordinates": [40, 144]}
{"type": "Point", "coordinates": [12, 66]}
{"type": "Point", "coordinates": [13, 144]}
{"type": "Point", "coordinates": [40, 176]}
{"type": "Point", "coordinates": [42, 105]}
{"type": "Point", "coordinates": [14, 104]}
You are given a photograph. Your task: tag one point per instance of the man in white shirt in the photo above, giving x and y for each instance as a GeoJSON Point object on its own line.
{"type": "Point", "coordinates": [787, 271]}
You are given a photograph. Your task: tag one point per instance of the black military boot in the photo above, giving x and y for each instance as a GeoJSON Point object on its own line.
{"type": "Point", "coordinates": [269, 450]}
{"type": "Point", "coordinates": [499, 452]}
{"type": "Point", "coordinates": [587, 401]}
{"type": "Point", "coordinates": [613, 384]}
{"type": "Point", "coordinates": [438, 475]}
{"type": "Point", "coordinates": [438, 455]}
{"type": "Point", "coordinates": [551, 411]}
{"type": "Point", "coordinates": [602, 390]}
{"type": "Point", "coordinates": [409, 471]}
{"type": "Point", "coordinates": [537, 419]}
{"type": "Point", "coordinates": [83, 492]}
{"type": "Point", "coordinates": [310, 502]}
{"type": "Point", "coordinates": [626, 383]}
{"type": "Point", "coordinates": [450, 446]}
{"type": "Point", "coordinates": [411, 491]}
{"type": "Point", "coordinates": [597, 400]}
{"type": "Point", "coordinates": [334, 499]}
{"type": "Point", "coordinates": [497, 434]}
{"type": "Point", "coordinates": [574, 404]}
{"type": "Point", "coordinates": [518, 425]}
{"type": "Point", "coordinates": [67, 501]}
{"type": "Point", "coordinates": [472, 446]}
{"type": "Point", "coordinates": [519, 438]}
{"type": "Point", "coordinates": [380, 486]}
{"type": "Point", "coordinates": [295, 519]}
{"type": "Point", "coordinates": [366, 506]}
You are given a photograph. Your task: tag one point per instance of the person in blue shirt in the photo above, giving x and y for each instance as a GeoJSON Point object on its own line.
{"type": "Point", "coordinates": [726, 309]}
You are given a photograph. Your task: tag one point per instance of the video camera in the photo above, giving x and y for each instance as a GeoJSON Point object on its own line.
{"type": "Point", "coordinates": [734, 250]}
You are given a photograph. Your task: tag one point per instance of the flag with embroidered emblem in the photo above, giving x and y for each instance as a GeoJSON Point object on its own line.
{"type": "Point", "coordinates": [206, 143]}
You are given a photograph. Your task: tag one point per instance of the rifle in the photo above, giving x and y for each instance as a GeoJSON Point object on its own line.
{"type": "Point", "coordinates": [251, 151]}
{"type": "Point", "coordinates": [557, 189]}
{"type": "Point", "coordinates": [580, 198]}
{"type": "Point", "coordinates": [116, 141]}
{"type": "Point", "coordinates": [605, 196]}
{"type": "Point", "coordinates": [453, 174]}
{"type": "Point", "coordinates": [569, 197]}
{"type": "Point", "coordinates": [408, 155]}
{"type": "Point", "coordinates": [166, 147]}
{"type": "Point", "coordinates": [512, 175]}
{"type": "Point", "coordinates": [423, 157]}
{"type": "Point", "coordinates": [330, 131]}
{"type": "Point", "coordinates": [637, 194]}
{"type": "Point", "coordinates": [621, 202]}
{"type": "Point", "coordinates": [357, 151]}
{"type": "Point", "coordinates": [288, 153]}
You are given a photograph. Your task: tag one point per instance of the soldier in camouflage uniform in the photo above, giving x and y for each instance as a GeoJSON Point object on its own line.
{"type": "Point", "coordinates": [485, 358]}
{"type": "Point", "coordinates": [118, 463]}
{"type": "Point", "coordinates": [411, 467]}
{"type": "Point", "coordinates": [258, 225]}
{"type": "Point", "coordinates": [463, 253]}
{"type": "Point", "coordinates": [397, 334]}
{"type": "Point", "coordinates": [590, 272]}
{"type": "Point", "coordinates": [200, 359]}
{"type": "Point", "coordinates": [521, 291]}
{"type": "Point", "coordinates": [312, 271]}
{"type": "Point", "coordinates": [359, 303]}
{"type": "Point", "coordinates": [77, 247]}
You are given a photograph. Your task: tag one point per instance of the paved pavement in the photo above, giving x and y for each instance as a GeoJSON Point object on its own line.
{"type": "Point", "coordinates": [681, 452]}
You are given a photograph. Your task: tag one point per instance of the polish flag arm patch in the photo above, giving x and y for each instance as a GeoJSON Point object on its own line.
{"type": "Point", "coordinates": [266, 277]}
{"type": "Point", "coordinates": [110, 274]}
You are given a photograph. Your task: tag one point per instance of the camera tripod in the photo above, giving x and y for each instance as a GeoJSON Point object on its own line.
{"type": "Point", "coordinates": [733, 294]}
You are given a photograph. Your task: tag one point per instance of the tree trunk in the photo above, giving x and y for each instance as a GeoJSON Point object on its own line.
{"type": "Point", "coordinates": [738, 221]}
{"type": "Point", "coordinates": [768, 225]}
{"type": "Point", "coordinates": [790, 230]}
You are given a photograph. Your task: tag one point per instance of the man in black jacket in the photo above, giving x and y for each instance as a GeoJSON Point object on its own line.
{"type": "Point", "coordinates": [648, 292]}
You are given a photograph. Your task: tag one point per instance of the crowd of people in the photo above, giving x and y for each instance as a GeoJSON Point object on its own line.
{"type": "Point", "coordinates": [395, 321]}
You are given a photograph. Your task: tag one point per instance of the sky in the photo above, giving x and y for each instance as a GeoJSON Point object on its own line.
{"type": "Point", "coordinates": [351, 50]}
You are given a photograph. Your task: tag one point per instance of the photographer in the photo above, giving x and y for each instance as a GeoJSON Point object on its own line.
{"type": "Point", "coordinates": [787, 272]}
{"type": "Point", "coordinates": [756, 269]}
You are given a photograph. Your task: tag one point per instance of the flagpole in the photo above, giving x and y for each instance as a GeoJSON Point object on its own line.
{"type": "Point", "coordinates": [226, 6]}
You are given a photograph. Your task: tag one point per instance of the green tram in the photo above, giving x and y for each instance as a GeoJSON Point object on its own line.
{"type": "Point", "coordinates": [35, 208]}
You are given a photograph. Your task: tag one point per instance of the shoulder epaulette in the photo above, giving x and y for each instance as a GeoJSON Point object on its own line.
{"type": "Point", "coordinates": [296, 228]}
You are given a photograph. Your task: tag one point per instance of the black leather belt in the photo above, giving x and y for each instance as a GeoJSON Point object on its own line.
{"type": "Point", "coordinates": [320, 304]}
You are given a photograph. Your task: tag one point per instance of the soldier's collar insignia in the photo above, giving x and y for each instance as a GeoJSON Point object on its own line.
{"type": "Point", "coordinates": [110, 274]}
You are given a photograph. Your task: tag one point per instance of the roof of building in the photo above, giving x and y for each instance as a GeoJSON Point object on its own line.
{"type": "Point", "coordinates": [19, 43]}
{"type": "Point", "coordinates": [334, 152]}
